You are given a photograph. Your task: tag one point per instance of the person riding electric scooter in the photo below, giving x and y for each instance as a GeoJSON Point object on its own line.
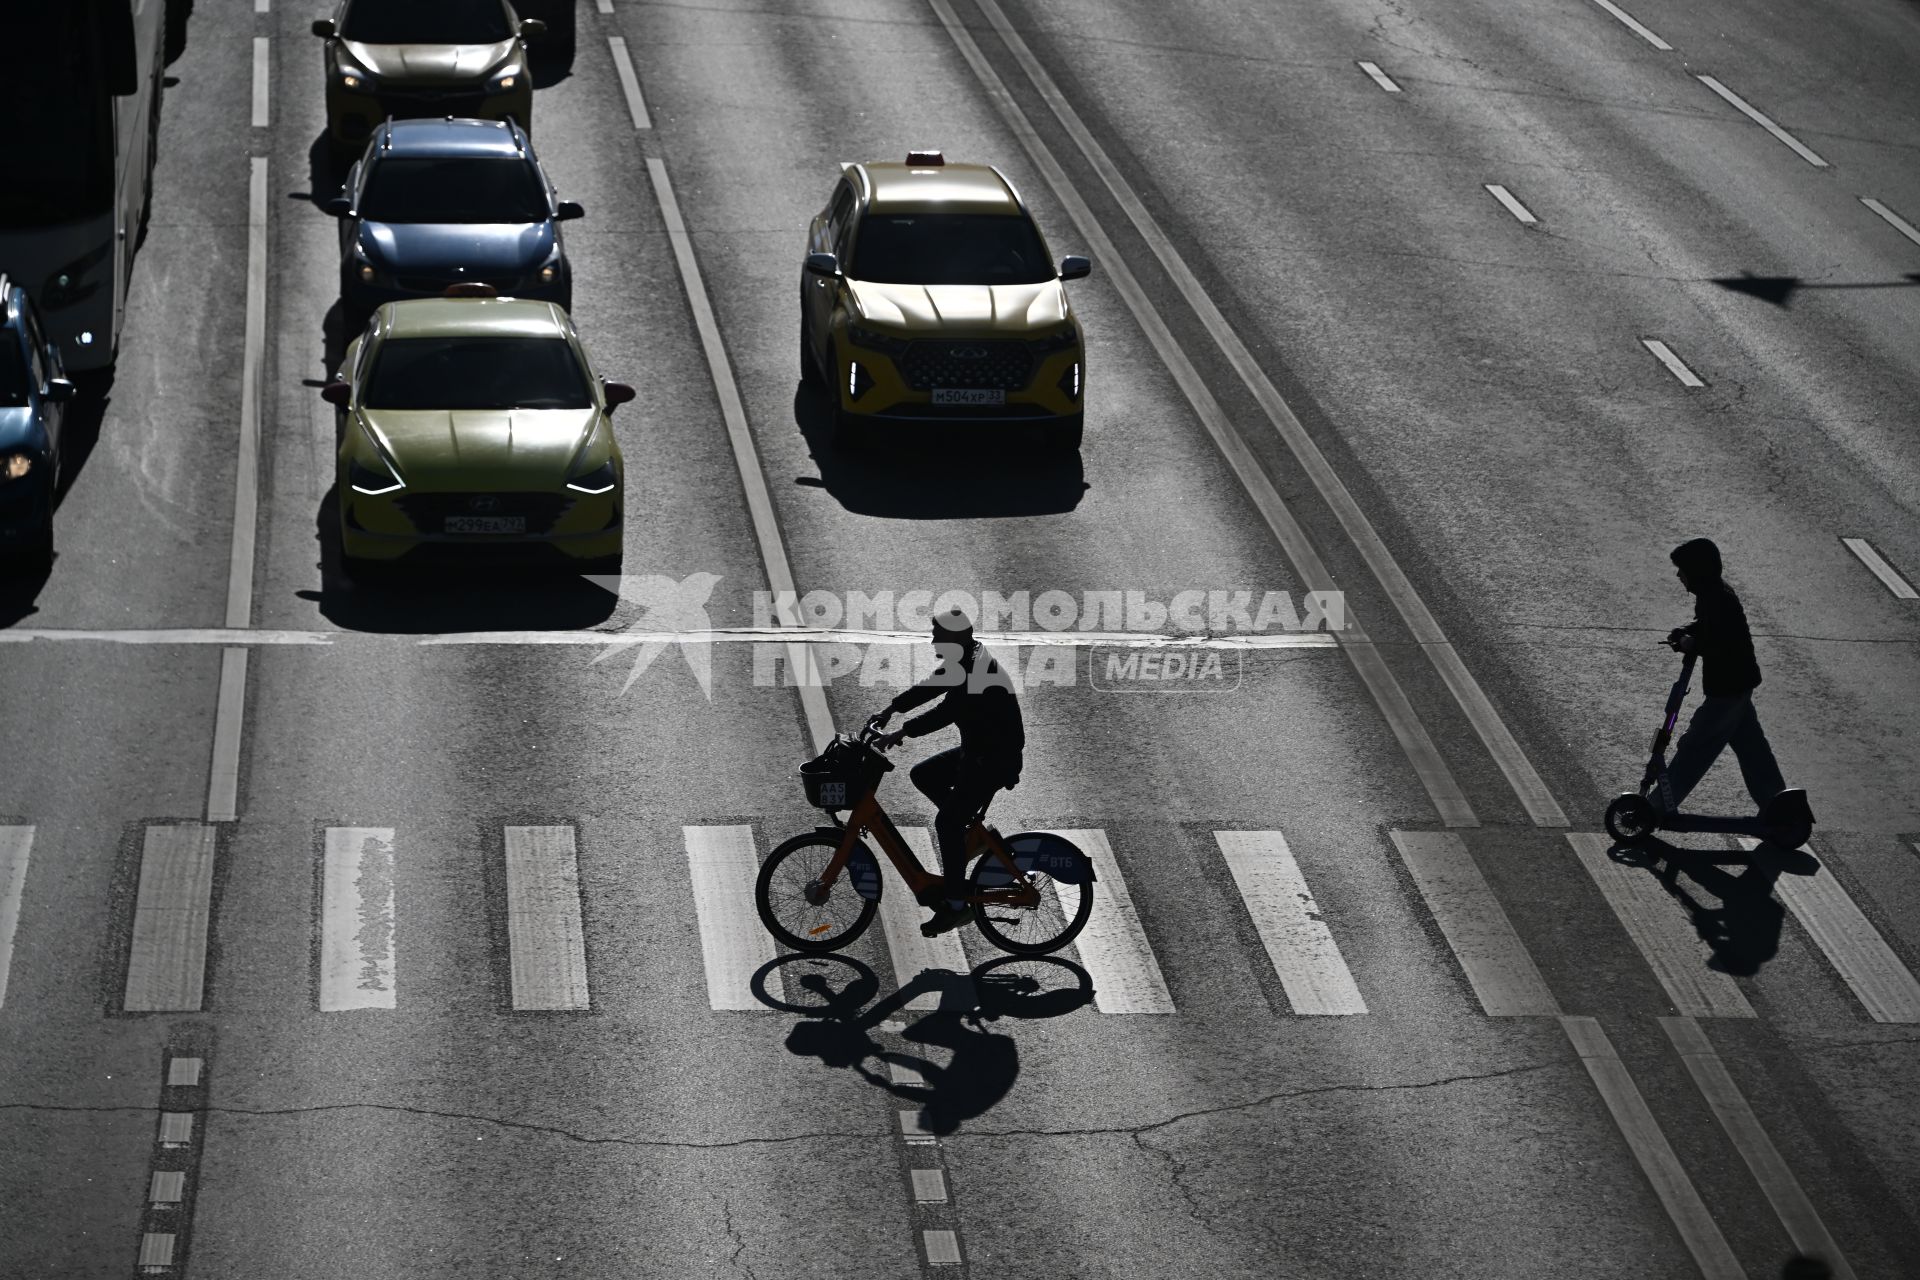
{"type": "Point", "coordinates": [977, 697]}
{"type": "Point", "coordinates": [1719, 640]}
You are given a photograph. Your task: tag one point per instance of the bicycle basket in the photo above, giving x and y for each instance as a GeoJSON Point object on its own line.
{"type": "Point", "coordinates": [839, 776]}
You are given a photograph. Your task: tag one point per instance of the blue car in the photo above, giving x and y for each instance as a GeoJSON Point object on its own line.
{"type": "Point", "coordinates": [33, 393]}
{"type": "Point", "coordinates": [433, 203]}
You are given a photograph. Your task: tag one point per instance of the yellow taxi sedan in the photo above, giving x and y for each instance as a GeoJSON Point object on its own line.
{"type": "Point", "coordinates": [476, 431]}
{"type": "Point", "coordinates": [927, 295]}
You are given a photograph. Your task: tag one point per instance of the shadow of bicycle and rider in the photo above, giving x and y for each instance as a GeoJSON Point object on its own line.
{"type": "Point", "coordinates": [837, 995]}
{"type": "Point", "coordinates": [1734, 912]}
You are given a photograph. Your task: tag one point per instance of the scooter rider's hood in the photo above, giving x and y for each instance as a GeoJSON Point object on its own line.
{"type": "Point", "coordinates": [1699, 559]}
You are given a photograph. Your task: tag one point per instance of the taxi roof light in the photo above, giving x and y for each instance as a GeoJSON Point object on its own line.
{"type": "Point", "coordinates": [928, 157]}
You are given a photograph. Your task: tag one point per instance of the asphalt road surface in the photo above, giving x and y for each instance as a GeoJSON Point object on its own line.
{"type": "Point", "coordinates": [403, 932]}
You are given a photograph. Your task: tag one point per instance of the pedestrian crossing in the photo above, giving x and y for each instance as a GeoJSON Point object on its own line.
{"type": "Point", "coordinates": [362, 916]}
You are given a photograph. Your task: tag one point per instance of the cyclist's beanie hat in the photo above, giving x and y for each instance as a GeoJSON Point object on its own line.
{"type": "Point", "coordinates": [954, 622]}
{"type": "Point", "coordinates": [1698, 558]}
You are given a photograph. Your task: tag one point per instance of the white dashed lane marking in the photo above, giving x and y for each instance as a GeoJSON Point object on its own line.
{"type": "Point", "coordinates": [1675, 365]}
{"type": "Point", "coordinates": [1634, 26]}
{"type": "Point", "coordinates": [262, 94]}
{"type": "Point", "coordinates": [1510, 203]}
{"type": "Point", "coordinates": [15, 844]}
{"type": "Point", "coordinates": [1744, 108]}
{"type": "Point", "coordinates": [1380, 77]}
{"type": "Point", "coordinates": [1893, 219]}
{"type": "Point", "coordinates": [629, 83]}
{"type": "Point", "coordinates": [1878, 565]}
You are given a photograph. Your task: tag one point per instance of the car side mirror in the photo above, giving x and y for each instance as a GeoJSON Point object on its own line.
{"type": "Point", "coordinates": [616, 393]}
{"type": "Point", "coordinates": [324, 28]}
{"type": "Point", "coordinates": [1075, 267]}
{"type": "Point", "coordinates": [337, 394]}
{"type": "Point", "coordinates": [59, 389]}
{"type": "Point", "coordinates": [568, 210]}
{"type": "Point", "coordinates": [823, 264]}
{"type": "Point", "coordinates": [532, 28]}
{"type": "Point", "coordinates": [338, 206]}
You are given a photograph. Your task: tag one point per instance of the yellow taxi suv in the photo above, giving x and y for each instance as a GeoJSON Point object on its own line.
{"type": "Point", "coordinates": [476, 431]}
{"type": "Point", "coordinates": [465, 58]}
{"type": "Point", "coordinates": [927, 296]}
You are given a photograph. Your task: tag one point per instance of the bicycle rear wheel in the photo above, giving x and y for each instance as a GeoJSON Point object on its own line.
{"type": "Point", "coordinates": [1045, 927]}
{"type": "Point", "coordinates": [794, 907]}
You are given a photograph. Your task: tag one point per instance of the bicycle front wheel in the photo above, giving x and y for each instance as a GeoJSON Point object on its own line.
{"type": "Point", "coordinates": [795, 908]}
{"type": "Point", "coordinates": [1043, 927]}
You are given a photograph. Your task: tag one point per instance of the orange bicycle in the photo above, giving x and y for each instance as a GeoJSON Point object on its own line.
{"type": "Point", "coordinates": [1031, 892]}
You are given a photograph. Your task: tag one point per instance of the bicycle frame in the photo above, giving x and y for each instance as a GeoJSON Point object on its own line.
{"type": "Point", "coordinates": [867, 817]}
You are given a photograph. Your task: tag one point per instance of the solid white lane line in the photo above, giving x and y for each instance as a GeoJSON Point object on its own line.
{"type": "Point", "coordinates": [753, 479]}
{"type": "Point", "coordinates": [1304, 954]}
{"type": "Point", "coordinates": [1885, 987]}
{"type": "Point", "coordinates": [1633, 26]}
{"type": "Point", "coordinates": [1408, 731]}
{"type": "Point", "coordinates": [356, 920]}
{"type": "Point", "coordinates": [1880, 568]}
{"type": "Point", "coordinates": [171, 635]}
{"type": "Point", "coordinates": [629, 83]}
{"type": "Point", "coordinates": [900, 916]}
{"type": "Point", "coordinates": [724, 864]}
{"type": "Point", "coordinates": [223, 775]}
{"type": "Point", "coordinates": [1659, 926]}
{"type": "Point", "coordinates": [943, 1248]}
{"type": "Point", "coordinates": [1675, 365]}
{"type": "Point", "coordinates": [262, 61]}
{"type": "Point", "coordinates": [929, 1186]}
{"type": "Point", "coordinates": [1651, 1150]}
{"type": "Point", "coordinates": [1893, 219]}
{"type": "Point", "coordinates": [167, 961]}
{"type": "Point", "coordinates": [1510, 203]}
{"type": "Point", "coordinates": [1730, 1107]}
{"type": "Point", "coordinates": [1380, 77]}
{"type": "Point", "coordinates": [1475, 925]}
{"type": "Point", "coordinates": [1747, 110]}
{"type": "Point", "coordinates": [15, 844]}
{"type": "Point", "coordinates": [815, 635]}
{"type": "Point", "coordinates": [1113, 947]}
{"type": "Point", "coordinates": [546, 938]}
{"type": "Point", "coordinates": [1527, 784]}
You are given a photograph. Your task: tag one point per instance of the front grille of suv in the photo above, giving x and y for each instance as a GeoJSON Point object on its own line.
{"type": "Point", "coordinates": [993, 365]}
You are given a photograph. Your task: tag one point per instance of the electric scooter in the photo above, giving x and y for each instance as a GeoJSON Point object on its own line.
{"type": "Point", "coordinates": [1786, 820]}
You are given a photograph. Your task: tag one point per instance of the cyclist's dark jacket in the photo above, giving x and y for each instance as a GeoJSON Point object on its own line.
{"type": "Point", "coordinates": [979, 700]}
{"type": "Point", "coordinates": [1721, 638]}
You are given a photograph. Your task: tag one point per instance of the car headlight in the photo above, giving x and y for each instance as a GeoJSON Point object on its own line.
{"type": "Point", "coordinates": [600, 479]}
{"type": "Point", "coordinates": [372, 480]}
{"type": "Point", "coordinates": [363, 264]}
{"type": "Point", "coordinates": [355, 77]}
{"type": "Point", "coordinates": [506, 79]}
{"type": "Point", "coordinates": [1067, 337]}
{"type": "Point", "coordinates": [876, 340]}
{"type": "Point", "coordinates": [16, 465]}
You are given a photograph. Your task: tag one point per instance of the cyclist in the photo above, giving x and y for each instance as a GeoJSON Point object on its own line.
{"type": "Point", "coordinates": [977, 697]}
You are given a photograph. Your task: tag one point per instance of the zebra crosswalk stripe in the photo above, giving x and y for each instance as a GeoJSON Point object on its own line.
{"type": "Point", "coordinates": [1475, 925]}
{"type": "Point", "coordinates": [15, 844]}
{"type": "Point", "coordinates": [1113, 947]}
{"type": "Point", "coordinates": [913, 952]}
{"type": "Point", "coordinates": [1305, 957]}
{"type": "Point", "coordinates": [1885, 987]}
{"type": "Point", "coordinates": [724, 863]}
{"type": "Point", "coordinates": [1659, 927]}
{"type": "Point", "coordinates": [356, 920]}
{"type": "Point", "coordinates": [545, 933]}
{"type": "Point", "coordinates": [167, 961]}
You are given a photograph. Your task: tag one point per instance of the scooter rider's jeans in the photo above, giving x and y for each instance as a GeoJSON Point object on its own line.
{"type": "Point", "coordinates": [1719, 723]}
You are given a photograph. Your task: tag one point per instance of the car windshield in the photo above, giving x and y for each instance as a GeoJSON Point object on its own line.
{"type": "Point", "coordinates": [949, 248]}
{"type": "Point", "coordinates": [422, 189]}
{"type": "Point", "coordinates": [476, 373]}
{"type": "Point", "coordinates": [426, 22]}
{"type": "Point", "coordinates": [13, 371]}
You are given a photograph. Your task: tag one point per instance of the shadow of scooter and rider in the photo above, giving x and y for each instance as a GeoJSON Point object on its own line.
{"type": "Point", "coordinates": [1735, 914]}
{"type": "Point", "coordinates": [981, 1064]}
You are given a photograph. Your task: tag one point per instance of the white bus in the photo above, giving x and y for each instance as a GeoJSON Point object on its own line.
{"type": "Point", "coordinates": [80, 98]}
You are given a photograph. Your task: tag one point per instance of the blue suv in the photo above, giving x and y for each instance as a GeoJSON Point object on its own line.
{"type": "Point", "coordinates": [433, 203]}
{"type": "Point", "coordinates": [33, 393]}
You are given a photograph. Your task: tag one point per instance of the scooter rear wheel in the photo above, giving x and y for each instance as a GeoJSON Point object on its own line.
{"type": "Point", "coordinates": [1630, 817]}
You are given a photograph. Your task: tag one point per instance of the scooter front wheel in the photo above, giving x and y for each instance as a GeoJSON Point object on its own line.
{"type": "Point", "coordinates": [1630, 817]}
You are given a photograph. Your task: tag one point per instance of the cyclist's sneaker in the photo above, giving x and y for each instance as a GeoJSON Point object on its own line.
{"type": "Point", "coordinates": [946, 920]}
